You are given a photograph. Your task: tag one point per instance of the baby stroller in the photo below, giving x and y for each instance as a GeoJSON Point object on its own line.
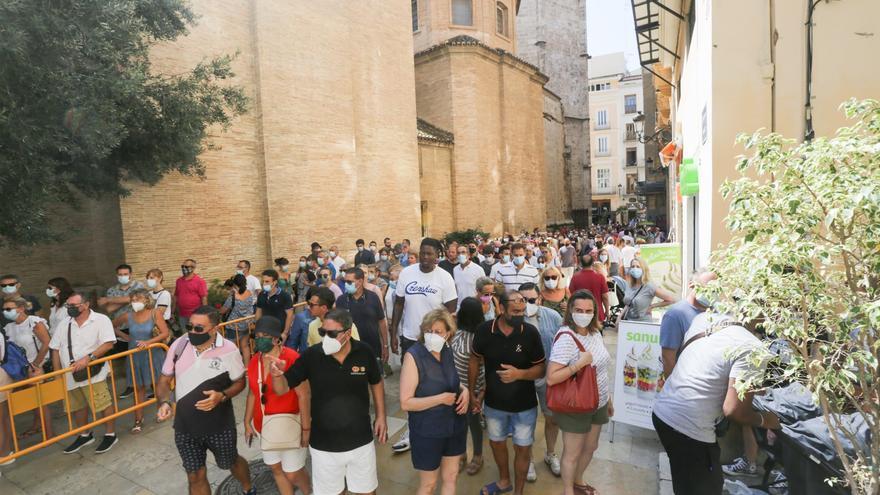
{"type": "Point", "coordinates": [617, 287]}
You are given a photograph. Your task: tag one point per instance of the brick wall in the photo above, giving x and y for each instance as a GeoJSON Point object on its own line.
{"type": "Point", "coordinates": [494, 107]}
{"type": "Point", "coordinates": [435, 161]}
{"type": "Point", "coordinates": [327, 151]}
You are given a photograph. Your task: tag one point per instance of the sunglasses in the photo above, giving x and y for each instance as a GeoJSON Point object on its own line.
{"type": "Point", "coordinates": [197, 328]}
{"type": "Point", "coordinates": [551, 277]}
{"type": "Point", "coordinates": [8, 285]}
{"type": "Point", "coordinates": [189, 266]}
{"type": "Point", "coordinates": [532, 300]}
{"type": "Point", "coordinates": [332, 333]}
{"type": "Point", "coordinates": [10, 308]}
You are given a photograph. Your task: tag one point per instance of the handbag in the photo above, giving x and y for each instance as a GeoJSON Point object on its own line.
{"type": "Point", "coordinates": [155, 332]}
{"type": "Point", "coordinates": [578, 394]}
{"type": "Point", "coordinates": [83, 374]}
{"type": "Point", "coordinates": [280, 431]}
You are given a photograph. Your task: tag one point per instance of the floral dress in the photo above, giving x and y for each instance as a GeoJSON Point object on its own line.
{"type": "Point", "coordinates": [240, 309]}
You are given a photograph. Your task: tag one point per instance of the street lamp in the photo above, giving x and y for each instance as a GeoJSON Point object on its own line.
{"type": "Point", "coordinates": [639, 122]}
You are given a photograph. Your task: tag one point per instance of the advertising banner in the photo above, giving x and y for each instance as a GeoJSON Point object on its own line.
{"type": "Point", "coordinates": [638, 377]}
{"type": "Point", "coordinates": [664, 262]}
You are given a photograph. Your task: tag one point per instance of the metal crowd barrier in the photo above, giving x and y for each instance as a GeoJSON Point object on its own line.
{"type": "Point", "coordinates": [37, 392]}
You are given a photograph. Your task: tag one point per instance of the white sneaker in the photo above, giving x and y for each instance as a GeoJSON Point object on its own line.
{"type": "Point", "coordinates": [552, 461]}
{"type": "Point", "coordinates": [532, 474]}
{"type": "Point", "coordinates": [402, 445]}
{"type": "Point", "coordinates": [740, 467]}
{"type": "Point", "coordinates": [10, 461]}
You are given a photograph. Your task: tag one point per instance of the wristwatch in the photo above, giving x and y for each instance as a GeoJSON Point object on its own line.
{"type": "Point", "coordinates": [225, 397]}
{"type": "Point", "coordinates": [92, 357]}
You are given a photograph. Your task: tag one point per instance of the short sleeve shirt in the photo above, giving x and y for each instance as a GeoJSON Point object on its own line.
{"type": "Point", "coordinates": [512, 278]}
{"type": "Point", "coordinates": [189, 294]}
{"type": "Point", "coordinates": [593, 282]}
{"type": "Point", "coordinates": [275, 304]}
{"type": "Point", "coordinates": [521, 349]}
{"type": "Point", "coordinates": [162, 298]}
{"type": "Point", "coordinates": [214, 369]}
{"type": "Point", "coordinates": [23, 335]}
{"type": "Point", "coordinates": [366, 313]}
{"type": "Point", "coordinates": [118, 291]}
{"type": "Point", "coordinates": [340, 396]}
{"type": "Point", "coordinates": [675, 324]}
{"type": "Point", "coordinates": [466, 280]}
{"type": "Point", "coordinates": [639, 299]}
{"type": "Point", "coordinates": [95, 331]}
{"type": "Point", "coordinates": [423, 292]}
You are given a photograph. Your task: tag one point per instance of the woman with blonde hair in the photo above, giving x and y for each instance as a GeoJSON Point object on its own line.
{"type": "Point", "coordinates": [142, 320]}
{"type": "Point", "coordinates": [641, 292]}
{"type": "Point", "coordinates": [554, 290]}
{"type": "Point", "coordinates": [580, 431]}
{"type": "Point", "coordinates": [437, 403]}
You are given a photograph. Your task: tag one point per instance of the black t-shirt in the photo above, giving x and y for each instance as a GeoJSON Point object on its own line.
{"type": "Point", "coordinates": [366, 313]}
{"type": "Point", "coordinates": [522, 349]}
{"type": "Point", "coordinates": [448, 266]}
{"type": "Point", "coordinates": [275, 305]}
{"type": "Point", "coordinates": [340, 395]}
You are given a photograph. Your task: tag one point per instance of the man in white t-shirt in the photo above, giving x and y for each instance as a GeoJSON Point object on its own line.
{"type": "Point", "coordinates": [253, 283]}
{"type": "Point", "coordinates": [699, 393]}
{"type": "Point", "coordinates": [627, 253]}
{"type": "Point", "coordinates": [504, 261]}
{"type": "Point", "coordinates": [89, 335]}
{"type": "Point", "coordinates": [466, 273]}
{"type": "Point", "coordinates": [420, 289]}
{"type": "Point", "coordinates": [337, 260]}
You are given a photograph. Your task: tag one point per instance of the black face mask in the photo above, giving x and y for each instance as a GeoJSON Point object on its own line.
{"type": "Point", "coordinates": [185, 270]}
{"type": "Point", "coordinates": [73, 311]}
{"type": "Point", "coordinates": [515, 320]}
{"type": "Point", "coordinates": [198, 339]}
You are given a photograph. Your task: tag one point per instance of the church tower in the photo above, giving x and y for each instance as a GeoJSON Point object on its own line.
{"type": "Point", "coordinates": [552, 34]}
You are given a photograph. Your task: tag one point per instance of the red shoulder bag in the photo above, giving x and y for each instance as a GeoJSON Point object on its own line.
{"type": "Point", "coordinates": [578, 394]}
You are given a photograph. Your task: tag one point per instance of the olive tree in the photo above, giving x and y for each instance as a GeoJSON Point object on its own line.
{"type": "Point", "coordinates": [804, 260]}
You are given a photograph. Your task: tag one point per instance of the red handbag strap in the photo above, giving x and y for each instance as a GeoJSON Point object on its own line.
{"type": "Point", "coordinates": [576, 340]}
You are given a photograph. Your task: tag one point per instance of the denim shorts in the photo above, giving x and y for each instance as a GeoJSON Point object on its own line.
{"type": "Point", "coordinates": [522, 424]}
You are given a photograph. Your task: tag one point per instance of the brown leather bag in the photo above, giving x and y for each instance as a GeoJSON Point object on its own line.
{"type": "Point", "coordinates": [578, 394]}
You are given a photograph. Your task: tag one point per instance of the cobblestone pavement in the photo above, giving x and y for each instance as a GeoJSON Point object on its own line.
{"type": "Point", "coordinates": [149, 464]}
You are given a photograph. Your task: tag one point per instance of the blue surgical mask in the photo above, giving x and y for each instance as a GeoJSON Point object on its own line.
{"type": "Point", "coordinates": [506, 258]}
{"type": "Point", "coordinates": [10, 289]}
{"type": "Point", "coordinates": [239, 272]}
{"type": "Point", "coordinates": [519, 260]}
{"type": "Point", "coordinates": [350, 288]}
{"type": "Point", "coordinates": [10, 314]}
{"type": "Point", "coordinates": [267, 287]}
{"type": "Point", "coordinates": [541, 266]}
{"type": "Point", "coordinates": [462, 258]}
{"type": "Point", "coordinates": [635, 273]}
{"type": "Point", "coordinates": [123, 279]}
{"type": "Point", "coordinates": [393, 284]}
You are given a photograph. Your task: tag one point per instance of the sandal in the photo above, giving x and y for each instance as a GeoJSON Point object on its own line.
{"type": "Point", "coordinates": [585, 489]}
{"type": "Point", "coordinates": [474, 466]}
{"type": "Point", "coordinates": [138, 427]}
{"type": "Point", "coordinates": [493, 489]}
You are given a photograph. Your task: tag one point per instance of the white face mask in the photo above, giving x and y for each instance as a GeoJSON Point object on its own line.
{"type": "Point", "coordinates": [531, 309]}
{"type": "Point", "coordinates": [138, 306]}
{"type": "Point", "coordinates": [151, 282]}
{"type": "Point", "coordinates": [434, 342]}
{"type": "Point", "coordinates": [50, 293]}
{"type": "Point", "coordinates": [330, 345]}
{"type": "Point", "coordinates": [582, 319]}
{"type": "Point", "coordinates": [123, 279]}
{"type": "Point", "coordinates": [551, 284]}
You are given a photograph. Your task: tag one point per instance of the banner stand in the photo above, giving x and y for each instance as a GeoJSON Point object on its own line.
{"type": "Point", "coordinates": [638, 373]}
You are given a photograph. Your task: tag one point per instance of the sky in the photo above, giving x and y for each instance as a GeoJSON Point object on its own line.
{"type": "Point", "coordinates": [610, 29]}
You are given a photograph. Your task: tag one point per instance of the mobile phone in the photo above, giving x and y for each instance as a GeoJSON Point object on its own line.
{"type": "Point", "coordinates": [250, 441]}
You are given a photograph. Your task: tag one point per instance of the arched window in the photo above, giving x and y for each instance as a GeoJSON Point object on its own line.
{"type": "Point", "coordinates": [463, 12]}
{"type": "Point", "coordinates": [502, 20]}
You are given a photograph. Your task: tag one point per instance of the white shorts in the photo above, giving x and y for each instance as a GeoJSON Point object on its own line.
{"type": "Point", "coordinates": [291, 460]}
{"type": "Point", "coordinates": [332, 470]}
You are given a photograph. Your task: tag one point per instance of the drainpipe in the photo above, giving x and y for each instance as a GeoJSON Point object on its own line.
{"type": "Point", "coordinates": [774, 36]}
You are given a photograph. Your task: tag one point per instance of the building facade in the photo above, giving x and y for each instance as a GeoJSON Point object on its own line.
{"type": "Point", "coordinates": [473, 87]}
{"type": "Point", "coordinates": [618, 158]}
{"type": "Point", "coordinates": [552, 35]}
{"type": "Point", "coordinates": [742, 66]}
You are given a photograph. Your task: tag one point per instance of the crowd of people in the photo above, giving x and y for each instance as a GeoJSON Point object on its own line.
{"type": "Point", "coordinates": [482, 328]}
